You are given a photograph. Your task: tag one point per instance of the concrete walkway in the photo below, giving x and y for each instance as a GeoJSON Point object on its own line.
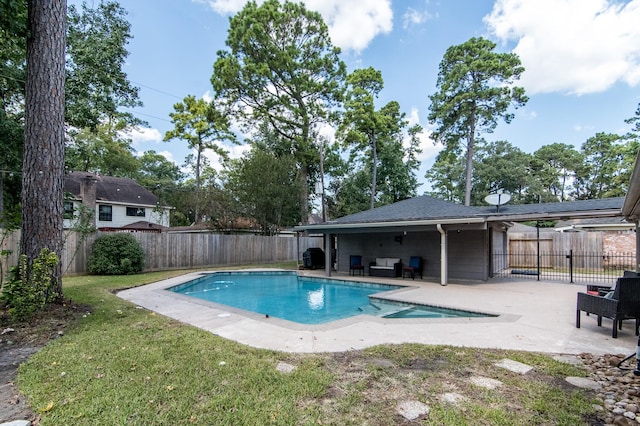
{"type": "Point", "coordinates": [532, 316]}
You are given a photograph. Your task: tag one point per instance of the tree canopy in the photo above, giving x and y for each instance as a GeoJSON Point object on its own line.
{"type": "Point", "coordinates": [475, 89]}
{"type": "Point", "coordinates": [282, 69]}
{"type": "Point", "coordinates": [203, 126]}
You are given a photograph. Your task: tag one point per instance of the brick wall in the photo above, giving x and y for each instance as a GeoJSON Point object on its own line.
{"type": "Point", "coordinates": [619, 242]}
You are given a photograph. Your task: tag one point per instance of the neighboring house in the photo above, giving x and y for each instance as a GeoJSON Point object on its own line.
{"type": "Point", "coordinates": [455, 241]}
{"type": "Point", "coordinates": [118, 204]}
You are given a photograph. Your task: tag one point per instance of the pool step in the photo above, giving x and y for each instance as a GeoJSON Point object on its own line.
{"type": "Point", "coordinates": [380, 309]}
{"type": "Point", "coordinates": [397, 311]}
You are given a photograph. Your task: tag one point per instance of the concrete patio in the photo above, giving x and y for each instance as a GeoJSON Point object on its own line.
{"type": "Point", "coordinates": [532, 316]}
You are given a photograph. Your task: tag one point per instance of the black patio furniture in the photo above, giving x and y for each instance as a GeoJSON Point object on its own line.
{"type": "Point", "coordinates": [621, 304]}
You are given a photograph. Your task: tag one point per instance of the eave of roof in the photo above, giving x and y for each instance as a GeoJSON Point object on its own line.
{"type": "Point", "coordinates": [391, 224]}
{"type": "Point", "coordinates": [424, 211]}
{"type": "Point", "coordinates": [631, 207]}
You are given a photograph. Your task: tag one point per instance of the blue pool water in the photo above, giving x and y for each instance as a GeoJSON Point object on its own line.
{"type": "Point", "coordinates": [304, 300]}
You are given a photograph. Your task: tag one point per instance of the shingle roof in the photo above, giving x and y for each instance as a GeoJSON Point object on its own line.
{"type": "Point", "coordinates": [426, 208]}
{"type": "Point", "coordinates": [110, 188]}
{"type": "Point", "coordinates": [418, 208]}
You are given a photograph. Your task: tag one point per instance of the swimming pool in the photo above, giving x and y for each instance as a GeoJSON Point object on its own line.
{"type": "Point", "coordinates": [305, 300]}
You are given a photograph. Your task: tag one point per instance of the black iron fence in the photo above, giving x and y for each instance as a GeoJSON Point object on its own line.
{"type": "Point", "coordinates": [573, 267]}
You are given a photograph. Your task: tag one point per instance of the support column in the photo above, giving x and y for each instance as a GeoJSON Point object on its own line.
{"type": "Point", "coordinates": [328, 247]}
{"type": "Point", "coordinates": [444, 270]}
{"type": "Point", "coordinates": [637, 246]}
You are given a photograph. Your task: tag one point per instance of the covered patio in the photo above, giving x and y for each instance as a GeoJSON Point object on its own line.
{"type": "Point", "coordinates": [456, 242]}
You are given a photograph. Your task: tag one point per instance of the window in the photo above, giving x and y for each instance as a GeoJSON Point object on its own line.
{"type": "Point", "coordinates": [135, 211]}
{"type": "Point", "coordinates": [68, 210]}
{"type": "Point", "coordinates": [105, 213]}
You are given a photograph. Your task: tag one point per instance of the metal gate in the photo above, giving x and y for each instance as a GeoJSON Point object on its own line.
{"type": "Point", "coordinates": [572, 267]}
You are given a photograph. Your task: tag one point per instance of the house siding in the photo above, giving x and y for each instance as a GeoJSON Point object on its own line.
{"type": "Point", "coordinates": [120, 218]}
{"type": "Point", "coordinates": [467, 251]}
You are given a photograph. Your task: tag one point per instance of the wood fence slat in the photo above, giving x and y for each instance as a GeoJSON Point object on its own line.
{"type": "Point", "coordinates": [176, 251]}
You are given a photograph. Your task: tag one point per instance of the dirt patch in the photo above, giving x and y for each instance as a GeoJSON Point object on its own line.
{"type": "Point", "coordinates": [18, 341]}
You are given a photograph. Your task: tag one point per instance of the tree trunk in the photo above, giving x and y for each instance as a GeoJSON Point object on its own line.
{"type": "Point", "coordinates": [374, 169]}
{"type": "Point", "coordinates": [198, 166]}
{"type": "Point", "coordinates": [43, 161]}
{"type": "Point", "coordinates": [304, 195]}
{"type": "Point", "coordinates": [469, 171]}
{"type": "Point", "coordinates": [2, 218]}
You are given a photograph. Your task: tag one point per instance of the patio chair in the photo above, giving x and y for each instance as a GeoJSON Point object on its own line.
{"type": "Point", "coordinates": [415, 265]}
{"type": "Point", "coordinates": [355, 264]}
{"type": "Point", "coordinates": [623, 303]}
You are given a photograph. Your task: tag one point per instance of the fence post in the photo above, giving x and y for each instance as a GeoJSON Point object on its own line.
{"type": "Point", "coordinates": [570, 257]}
{"type": "Point", "coordinates": [538, 249]}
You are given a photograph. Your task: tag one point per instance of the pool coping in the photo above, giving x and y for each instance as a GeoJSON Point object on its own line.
{"type": "Point", "coordinates": [388, 295]}
{"type": "Point", "coordinates": [527, 318]}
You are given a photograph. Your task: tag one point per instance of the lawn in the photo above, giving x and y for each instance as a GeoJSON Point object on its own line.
{"type": "Point", "coordinates": [119, 364]}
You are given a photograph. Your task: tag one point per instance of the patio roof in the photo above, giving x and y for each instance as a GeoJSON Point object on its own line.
{"type": "Point", "coordinates": [426, 210]}
{"type": "Point", "coordinates": [631, 208]}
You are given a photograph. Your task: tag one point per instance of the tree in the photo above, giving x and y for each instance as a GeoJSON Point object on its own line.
{"type": "Point", "coordinates": [596, 177]}
{"type": "Point", "coordinates": [203, 126]}
{"type": "Point", "coordinates": [43, 161]}
{"type": "Point", "coordinates": [361, 123]}
{"type": "Point", "coordinates": [555, 166]}
{"type": "Point", "coordinates": [103, 150]}
{"type": "Point", "coordinates": [475, 89]}
{"type": "Point", "coordinates": [281, 68]}
{"type": "Point", "coordinates": [446, 176]}
{"type": "Point", "coordinates": [502, 166]}
{"type": "Point", "coordinates": [13, 30]}
{"type": "Point", "coordinates": [397, 166]}
{"type": "Point", "coordinates": [97, 87]}
{"type": "Point", "coordinates": [267, 188]}
{"type": "Point", "coordinates": [159, 175]}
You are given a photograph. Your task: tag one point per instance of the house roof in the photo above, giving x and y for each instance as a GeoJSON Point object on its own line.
{"type": "Point", "coordinates": [595, 224]}
{"type": "Point", "coordinates": [111, 189]}
{"type": "Point", "coordinates": [426, 210]}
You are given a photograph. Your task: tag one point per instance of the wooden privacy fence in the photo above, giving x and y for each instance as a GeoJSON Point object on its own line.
{"type": "Point", "coordinates": [175, 251]}
{"type": "Point", "coordinates": [523, 249]}
{"type": "Point", "coordinates": [574, 256]}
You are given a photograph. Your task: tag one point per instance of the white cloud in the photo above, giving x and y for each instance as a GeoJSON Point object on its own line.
{"type": "Point", "coordinates": [352, 23]}
{"type": "Point", "coordinates": [571, 46]}
{"type": "Point", "coordinates": [141, 134]}
{"type": "Point", "coordinates": [207, 97]}
{"type": "Point", "coordinates": [224, 7]}
{"type": "Point", "coordinates": [414, 17]}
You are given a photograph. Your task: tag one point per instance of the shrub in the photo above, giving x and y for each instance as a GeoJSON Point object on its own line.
{"type": "Point", "coordinates": [25, 297]}
{"type": "Point", "coordinates": [116, 254]}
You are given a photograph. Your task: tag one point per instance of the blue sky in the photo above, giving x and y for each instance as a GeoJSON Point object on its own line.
{"type": "Point", "coordinates": [582, 59]}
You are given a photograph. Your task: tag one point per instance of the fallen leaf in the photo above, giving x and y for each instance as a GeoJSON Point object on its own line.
{"type": "Point", "coordinates": [49, 407]}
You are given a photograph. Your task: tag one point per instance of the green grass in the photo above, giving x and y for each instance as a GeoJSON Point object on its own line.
{"type": "Point", "coordinates": [123, 365]}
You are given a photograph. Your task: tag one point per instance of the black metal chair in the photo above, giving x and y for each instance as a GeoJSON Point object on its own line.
{"type": "Point", "coordinates": [355, 264]}
{"type": "Point", "coordinates": [623, 304]}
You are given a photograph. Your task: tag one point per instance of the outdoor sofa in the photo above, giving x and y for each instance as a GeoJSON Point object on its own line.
{"type": "Point", "coordinates": [385, 267]}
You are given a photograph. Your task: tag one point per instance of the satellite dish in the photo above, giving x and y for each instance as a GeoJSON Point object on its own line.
{"type": "Point", "coordinates": [497, 199]}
